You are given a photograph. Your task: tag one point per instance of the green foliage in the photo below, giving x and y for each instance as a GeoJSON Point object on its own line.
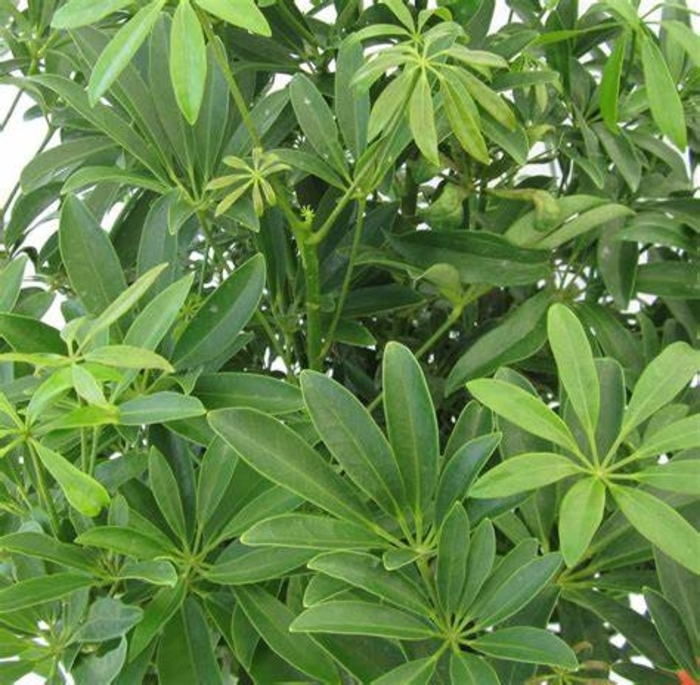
{"type": "Point", "coordinates": [360, 345]}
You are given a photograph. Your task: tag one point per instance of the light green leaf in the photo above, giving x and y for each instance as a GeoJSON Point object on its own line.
{"type": "Point", "coordinates": [82, 491]}
{"type": "Point", "coordinates": [160, 407]}
{"type": "Point", "coordinates": [464, 121]}
{"type": "Point", "coordinates": [417, 672]}
{"type": "Point", "coordinates": [469, 669]}
{"type": "Point", "coordinates": [166, 492]}
{"type": "Point", "coordinates": [154, 572]}
{"type": "Point", "coordinates": [95, 175]}
{"type": "Point", "coordinates": [487, 98]}
{"type": "Point", "coordinates": [361, 618]}
{"type": "Point", "coordinates": [279, 454]}
{"type": "Point", "coordinates": [401, 11]}
{"type": "Point", "coordinates": [354, 440]}
{"type": "Point", "coordinates": [422, 119]}
{"type": "Point", "coordinates": [523, 409]}
{"type": "Point", "coordinates": [242, 565]}
{"type": "Point", "coordinates": [351, 108]}
{"type": "Point", "coordinates": [125, 540]}
{"type": "Point", "coordinates": [77, 13]}
{"type": "Point", "coordinates": [273, 621]}
{"type": "Point", "coordinates": [28, 593]}
{"type": "Point", "coordinates": [11, 276]}
{"type": "Point", "coordinates": [411, 425]}
{"type": "Point", "coordinates": [241, 13]}
{"type": "Point", "coordinates": [108, 619]}
{"type": "Point", "coordinates": [664, 100]}
{"type": "Point", "coordinates": [41, 546]}
{"type": "Point", "coordinates": [580, 515]}
{"type": "Point", "coordinates": [522, 473]}
{"type": "Point", "coordinates": [86, 386]}
{"type": "Point", "coordinates": [660, 524]}
{"type": "Point", "coordinates": [156, 614]}
{"type": "Point", "coordinates": [121, 49]}
{"type": "Point", "coordinates": [574, 359]}
{"type": "Point", "coordinates": [527, 645]}
{"type": "Point", "coordinates": [188, 60]}
{"type": "Point", "coordinates": [678, 475]}
{"type": "Point", "coordinates": [127, 357]}
{"type": "Point", "coordinates": [609, 93]}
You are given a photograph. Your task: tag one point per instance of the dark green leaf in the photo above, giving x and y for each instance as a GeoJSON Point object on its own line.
{"type": "Point", "coordinates": [188, 60]}
{"type": "Point", "coordinates": [28, 593]}
{"type": "Point", "coordinates": [159, 408]}
{"type": "Point", "coordinates": [469, 669]}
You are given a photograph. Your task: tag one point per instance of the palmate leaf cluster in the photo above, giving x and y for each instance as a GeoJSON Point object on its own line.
{"type": "Point", "coordinates": [360, 345]}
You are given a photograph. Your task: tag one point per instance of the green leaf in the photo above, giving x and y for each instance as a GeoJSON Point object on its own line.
{"type": "Point", "coordinates": [127, 357]}
{"type": "Point", "coordinates": [11, 277]}
{"type": "Point", "coordinates": [188, 60]}
{"type": "Point", "coordinates": [186, 651]}
{"type": "Point", "coordinates": [241, 13]}
{"type": "Point", "coordinates": [156, 614]}
{"type": "Point", "coordinates": [609, 93]}
{"type": "Point", "coordinates": [421, 119]}
{"type": "Point", "coordinates": [27, 335]}
{"type": "Point", "coordinates": [273, 620]}
{"type": "Point", "coordinates": [316, 120]}
{"type": "Point", "coordinates": [528, 645]}
{"type": "Point", "coordinates": [366, 572]}
{"type": "Point", "coordinates": [461, 470]}
{"type": "Point", "coordinates": [411, 426]}
{"type": "Point", "coordinates": [95, 175]}
{"type": "Point", "coordinates": [255, 391]}
{"type": "Point", "coordinates": [664, 100]}
{"type": "Point", "coordinates": [77, 13]}
{"type": "Point", "coordinates": [585, 222]}
{"type": "Point", "coordinates": [574, 360]}
{"type": "Point", "coordinates": [523, 409]}
{"type": "Point", "coordinates": [670, 628]}
{"type": "Point", "coordinates": [222, 315]}
{"type": "Point", "coordinates": [351, 108]}
{"type": "Point", "coordinates": [402, 13]}
{"type": "Point", "coordinates": [160, 407]}
{"type": "Point", "coordinates": [311, 532]}
{"type": "Point", "coordinates": [580, 516]}
{"type": "Point", "coordinates": [242, 565]}
{"type": "Point", "coordinates": [469, 669]}
{"type": "Point", "coordinates": [107, 619]}
{"type": "Point", "coordinates": [464, 120]}
{"type": "Point", "coordinates": [522, 473]}
{"type": "Point", "coordinates": [28, 593]}
{"type": "Point", "coordinates": [354, 440]}
{"type": "Point", "coordinates": [417, 672]}
{"type": "Point", "coordinates": [677, 475]}
{"type": "Point", "coordinates": [89, 257]}
{"type": "Point", "coordinates": [361, 618]}
{"type": "Point", "coordinates": [487, 98]}
{"type": "Point", "coordinates": [104, 668]}
{"type": "Point", "coordinates": [83, 492]}
{"type": "Point", "coordinates": [452, 555]}
{"type": "Point", "coordinates": [663, 378]}
{"type": "Point", "coordinates": [279, 454]}
{"type": "Point", "coordinates": [42, 546]}
{"type": "Point", "coordinates": [482, 554]}
{"type": "Point", "coordinates": [125, 540]}
{"type": "Point", "coordinates": [660, 524]}
{"type": "Point", "coordinates": [521, 333]}
{"type": "Point", "coordinates": [166, 492]}
{"type": "Point", "coordinates": [215, 474]}
{"type": "Point", "coordinates": [153, 572]}
{"type": "Point", "coordinates": [121, 49]}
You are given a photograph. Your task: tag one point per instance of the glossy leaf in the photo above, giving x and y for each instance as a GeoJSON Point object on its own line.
{"type": "Point", "coordinates": [422, 119]}
{"type": "Point", "coordinates": [470, 669]}
{"type": "Point", "coordinates": [580, 515]}
{"type": "Point", "coordinates": [166, 492]}
{"type": "Point", "coordinates": [675, 476]}
{"type": "Point", "coordinates": [417, 672]}
{"type": "Point", "coordinates": [242, 13]}
{"type": "Point", "coordinates": [159, 408]}
{"type": "Point", "coordinates": [188, 60]}
{"type": "Point", "coordinates": [28, 593]}
{"type": "Point", "coordinates": [452, 554]}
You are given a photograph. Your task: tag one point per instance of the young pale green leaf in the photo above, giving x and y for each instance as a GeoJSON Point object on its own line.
{"type": "Point", "coordinates": [664, 101]}
{"type": "Point", "coordinates": [241, 13]}
{"type": "Point", "coordinates": [678, 475]}
{"type": "Point", "coordinates": [671, 630]}
{"type": "Point", "coordinates": [390, 104]}
{"type": "Point", "coordinates": [76, 13]}
{"type": "Point", "coordinates": [11, 276]}
{"type": "Point", "coordinates": [367, 572]}
{"type": "Point", "coordinates": [421, 118]}
{"type": "Point", "coordinates": [609, 93]}
{"type": "Point", "coordinates": [461, 470]}
{"type": "Point", "coordinates": [188, 60]}
{"type": "Point", "coordinates": [156, 614]}
{"type": "Point", "coordinates": [516, 591]}
{"type": "Point", "coordinates": [160, 407]}
{"type": "Point", "coordinates": [411, 425]}
{"type": "Point", "coordinates": [580, 515]}
{"type": "Point", "coordinates": [28, 593]}
{"type": "Point", "coordinates": [306, 531]}
{"type": "Point", "coordinates": [86, 386]}
{"type": "Point", "coordinates": [83, 492]}
{"type": "Point", "coordinates": [452, 555]}
{"type": "Point", "coordinates": [89, 257]}
{"type": "Point", "coordinates": [166, 492]}
{"type": "Point", "coordinates": [121, 49]}
{"type": "Point", "coordinates": [316, 120]}
{"type": "Point", "coordinates": [127, 357]}
{"type": "Point", "coordinates": [222, 315]}
{"type": "Point", "coordinates": [527, 645]}
{"type": "Point", "coordinates": [469, 669]}
{"type": "Point", "coordinates": [273, 620]}
{"type": "Point", "coordinates": [661, 524]}
{"type": "Point", "coordinates": [523, 409]}
{"type": "Point", "coordinates": [125, 540]}
{"type": "Point", "coordinates": [523, 473]}
{"type": "Point", "coordinates": [679, 435]}
{"type": "Point", "coordinates": [464, 120]}
{"type": "Point", "coordinates": [42, 546]}
{"type": "Point", "coordinates": [279, 454]}
{"type": "Point", "coordinates": [663, 378]}
{"type": "Point", "coordinates": [482, 554]}
{"type": "Point", "coordinates": [487, 98]}
{"type": "Point", "coordinates": [354, 440]}
{"type": "Point", "coordinates": [185, 650]}
{"type": "Point", "coordinates": [419, 672]}
{"type": "Point", "coordinates": [361, 618]}
{"type": "Point", "coordinates": [574, 359]}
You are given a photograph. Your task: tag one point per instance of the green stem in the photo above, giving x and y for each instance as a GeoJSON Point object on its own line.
{"type": "Point", "coordinates": [314, 333]}
{"type": "Point", "coordinates": [42, 490]}
{"type": "Point", "coordinates": [359, 223]}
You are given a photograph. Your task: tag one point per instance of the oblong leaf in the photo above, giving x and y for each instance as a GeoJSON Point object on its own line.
{"type": "Point", "coordinates": [28, 593]}
{"type": "Point", "coordinates": [676, 476]}
{"type": "Point", "coordinates": [159, 407]}
{"type": "Point", "coordinates": [188, 60]}
{"type": "Point", "coordinates": [418, 672]}
{"type": "Point", "coordinates": [242, 13]}
{"type": "Point", "coordinates": [580, 516]}
{"type": "Point", "coordinates": [469, 669]}
{"type": "Point", "coordinates": [77, 13]}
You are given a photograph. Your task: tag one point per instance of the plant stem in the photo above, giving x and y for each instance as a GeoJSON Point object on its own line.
{"type": "Point", "coordinates": [313, 306]}
{"type": "Point", "coordinates": [42, 490]}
